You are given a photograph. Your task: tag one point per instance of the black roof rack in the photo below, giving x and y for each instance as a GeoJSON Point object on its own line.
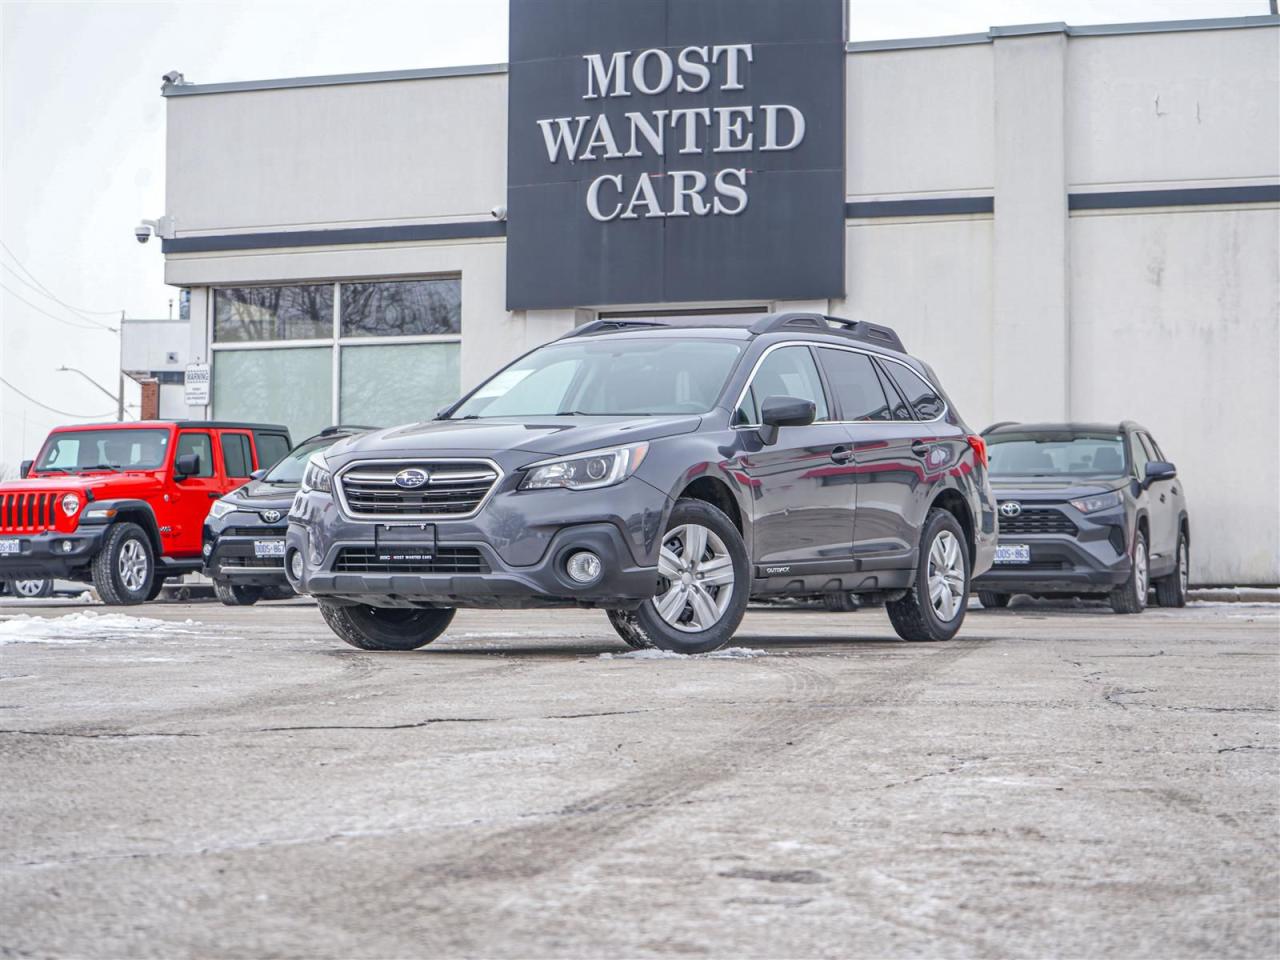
{"type": "Point", "coordinates": [997, 425]}
{"type": "Point", "coordinates": [612, 325]}
{"type": "Point", "coordinates": [863, 330]}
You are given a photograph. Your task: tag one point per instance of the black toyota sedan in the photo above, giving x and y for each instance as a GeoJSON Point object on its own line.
{"type": "Point", "coordinates": [1086, 509]}
{"type": "Point", "coordinates": [244, 531]}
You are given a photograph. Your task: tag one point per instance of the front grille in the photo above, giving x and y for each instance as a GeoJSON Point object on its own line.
{"type": "Point", "coordinates": [262, 533]}
{"type": "Point", "coordinates": [28, 512]}
{"type": "Point", "coordinates": [1038, 520]}
{"type": "Point", "coordinates": [455, 488]}
{"type": "Point", "coordinates": [256, 563]}
{"type": "Point", "coordinates": [446, 560]}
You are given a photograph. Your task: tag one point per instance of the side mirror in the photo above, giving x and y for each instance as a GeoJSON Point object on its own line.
{"type": "Point", "coordinates": [258, 474]}
{"type": "Point", "coordinates": [25, 468]}
{"type": "Point", "coordinates": [784, 412]}
{"type": "Point", "coordinates": [1160, 470]}
{"type": "Point", "coordinates": [187, 465]}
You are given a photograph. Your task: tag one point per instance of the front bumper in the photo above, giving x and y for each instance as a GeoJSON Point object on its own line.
{"type": "Point", "coordinates": [232, 557]}
{"type": "Point", "coordinates": [46, 555]}
{"type": "Point", "coordinates": [1088, 563]}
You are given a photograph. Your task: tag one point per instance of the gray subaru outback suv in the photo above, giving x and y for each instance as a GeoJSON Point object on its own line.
{"type": "Point", "coordinates": [665, 473]}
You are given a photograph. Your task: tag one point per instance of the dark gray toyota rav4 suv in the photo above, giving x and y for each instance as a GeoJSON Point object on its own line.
{"type": "Point", "coordinates": [665, 473]}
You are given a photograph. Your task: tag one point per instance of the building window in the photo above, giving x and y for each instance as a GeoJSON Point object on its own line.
{"type": "Point", "coordinates": [377, 353]}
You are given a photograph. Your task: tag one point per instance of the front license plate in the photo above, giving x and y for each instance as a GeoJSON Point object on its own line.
{"type": "Point", "coordinates": [1013, 553]}
{"type": "Point", "coordinates": [268, 548]}
{"type": "Point", "coordinates": [404, 544]}
{"type": "Point", "coordinates": [10, 545]}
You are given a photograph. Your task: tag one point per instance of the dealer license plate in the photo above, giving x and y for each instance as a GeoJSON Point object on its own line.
{"type": "Point", "coordinates": [10, 545]}
{"type": "Point", "coordinates": [1013, 553]}
{"type": "Point", "coordinates": [268, 548]}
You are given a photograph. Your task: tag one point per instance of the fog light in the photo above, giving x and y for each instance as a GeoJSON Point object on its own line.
{"type": "Point", "coordinates": [207, 549]}
{"type": "Point", "coordinates": [66, 546]}
{"type": "Point", "coordinates": [584, 567]}
{"type": "Point", "coordinates": [295, 565]}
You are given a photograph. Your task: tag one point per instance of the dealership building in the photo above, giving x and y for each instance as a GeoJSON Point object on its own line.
{"type": "Point", "coordinates": [1066, 222]}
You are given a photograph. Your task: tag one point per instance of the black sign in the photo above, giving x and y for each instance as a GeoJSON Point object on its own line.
{"type": "Point", "coordinates": [675, 150]}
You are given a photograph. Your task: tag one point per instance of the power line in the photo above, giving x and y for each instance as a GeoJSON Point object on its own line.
{"type": "Point", "coordinates": [45, 290]}
{"type": "Point", "coordinates": [61, 413]}
{"type": "Point", "coordinates": [91, 325]}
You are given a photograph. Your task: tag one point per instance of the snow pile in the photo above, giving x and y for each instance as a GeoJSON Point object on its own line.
{"type": "Point", "coordinates": [88, 627]}
{"type": "Point", "coordinates": [652, 653]}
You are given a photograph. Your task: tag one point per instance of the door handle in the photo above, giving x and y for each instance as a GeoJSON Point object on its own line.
{"type": "Point", "coordinates": [841, 455]}
{"type": "Point", "coordinates": [920, 449]}
{"type": "Point", "coordinates": [215, 496]}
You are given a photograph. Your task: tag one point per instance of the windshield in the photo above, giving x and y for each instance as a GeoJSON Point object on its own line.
{"type": "Point", "coordinates": [1026, 455]}
{"type": "Point", "coordinates": [289, 470]}
{"type": "Point", "coordinates": [79, 450]}
{"type": "Point", "coordinates": [611, 376]}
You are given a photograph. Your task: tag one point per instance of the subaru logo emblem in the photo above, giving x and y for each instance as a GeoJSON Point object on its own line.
{"type": "Point", "coordinates": [1010, 508]}
{"type": "Point", "coordinates": [411, 479]}
{"type": "Point", "coordinates": [270, 516]}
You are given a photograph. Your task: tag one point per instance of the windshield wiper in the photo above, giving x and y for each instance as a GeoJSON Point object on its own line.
{"type": "Point", "coordinates": [42, 470]}
{"type": "Point", "coordinates": [103, 466]}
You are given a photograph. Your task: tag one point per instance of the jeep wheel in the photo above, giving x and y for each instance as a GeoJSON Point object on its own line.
{"type": "Point", "coordinates": [934, 605]}
{"type": "Point", "coordinates": [1171, 591]}
{"type": "Point", "coordinates": [385, 628]}
{"type": "Point", "coordinates": [704, 582]}
{"type": "Point", "coordinates": [234, 596]}
{"type": "Point", "coordinates": [125, 567]}
{"type": "Point", "coordinates": [31, 589]}
{"type": "Point", "coordinates": [1131, 596]}
{"type": "Point", "coordinates": [991, 600]}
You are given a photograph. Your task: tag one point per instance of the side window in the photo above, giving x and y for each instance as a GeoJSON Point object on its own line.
{"type": "Point", "coordinates": [900, 409]}
{"type": "Point", "coordinates": [271, 449]}
{"type": "Point", "coordinates": [236, 457]}
{"type": "Point", "coordinates": [197, 443]}
{"type": "Point", "coordinates": [786, 372]}
{"type": "Point", "coordinates": [1138, 455]}
{"type": "Point", "coordinates": [922, 397]}
{"type": "Point", "coordinates": [857, 388]}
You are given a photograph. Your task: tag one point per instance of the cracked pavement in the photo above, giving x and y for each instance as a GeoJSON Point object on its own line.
{"type": "Point", "coordinates": [1057, 781]}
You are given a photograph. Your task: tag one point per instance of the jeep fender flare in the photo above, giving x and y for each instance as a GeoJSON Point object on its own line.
{"type": "Point", "coordinates": [134, 511]}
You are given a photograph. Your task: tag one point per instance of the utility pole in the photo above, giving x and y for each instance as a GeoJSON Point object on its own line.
{"type": "Point", "coordinates": [120, 376]}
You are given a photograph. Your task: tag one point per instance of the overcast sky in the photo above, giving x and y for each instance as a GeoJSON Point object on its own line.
{"type": "Point", "coordinates": [82, 139]}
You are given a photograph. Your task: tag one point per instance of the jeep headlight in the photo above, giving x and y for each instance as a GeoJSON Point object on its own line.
{"type": "Point", "coordinates": [1103, 501]}
{"type": "Point", "coordinates": [220, 508]}
{"type": "Point", "coordinates": [70, 504]}
{"type": "Point", "coordinates": [316, 477]}
{"type": "Point", "coordinates": [586, 471]}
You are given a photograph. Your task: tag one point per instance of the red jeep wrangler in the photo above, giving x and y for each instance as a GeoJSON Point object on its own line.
{"type": "Point", "coordinates": [122, 505]}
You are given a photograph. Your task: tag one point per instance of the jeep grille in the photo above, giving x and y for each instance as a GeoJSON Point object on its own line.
{"type": "Point", "coordinates": [454, 489]}
{"type": "Point", "coordinates": [28, 512]}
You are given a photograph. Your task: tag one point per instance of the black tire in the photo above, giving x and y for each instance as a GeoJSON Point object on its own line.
{"type": "Point", "coordinates": [841, 601]}
{"type": "Point", "coordinates": [914, 616]}
{"type": "Point", "coordinates": [646, 627]}
{"type": "Point", "coordinates": [386, 628]}
{"type": "Point", "coordinates": [991, 600]}
{"type": "Point", "coordinates": [157, 585]}
{"type": "Point", "coordinates": [1131, 596]}
{"type": "Point", "coordinates": [1171, 591]}
{"type": "Point", "coordinates": [115, 588]}
{"type": "Point", "coordinates": [285, 592]}
{"type": "Point", "coordinates": [31, 589]}
{"type": "Point", "coordinates": [236, 596]}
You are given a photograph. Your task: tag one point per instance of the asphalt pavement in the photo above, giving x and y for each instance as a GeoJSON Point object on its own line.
{"type": "Point", "coordinates": [1058, 781]}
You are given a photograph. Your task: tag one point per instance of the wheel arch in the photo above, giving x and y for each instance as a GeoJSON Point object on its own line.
{"type": "Point", "coordinates": [135, 511]}
{"type": "Point", "coordinates": [716, 492]}
{"type": "Point", "coordinates": [953, 501]}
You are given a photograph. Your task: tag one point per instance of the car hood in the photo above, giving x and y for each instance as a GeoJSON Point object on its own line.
{"type": "Point", "coordinates": [1053, 488]}
{"type": "Point", "coordinates": [257, 495]}
{"type": "Point", "coordinates": [96, 486]}
{"type": "Point", "coordinates": [544, 436]}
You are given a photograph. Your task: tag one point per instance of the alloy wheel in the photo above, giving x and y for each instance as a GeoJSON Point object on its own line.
{"type": "Point", "coordinates": [132, 565]}
{"type": "Point", "coordinates": [1184, 568]}
{"type": "Point", "coordinates": [696, 578]}
{"type": "Point", "coordinates": [946, 576]}
{"type": "Point", "coordinates": [1141, 572]}
{"type": "Point", "coordinates": [28, 588]}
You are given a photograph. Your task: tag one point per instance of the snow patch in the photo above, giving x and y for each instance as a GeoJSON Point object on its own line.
{"type": "Point", "coordinates": [89, 627]}
{"type": "Point", "coordinates": [652, 653]}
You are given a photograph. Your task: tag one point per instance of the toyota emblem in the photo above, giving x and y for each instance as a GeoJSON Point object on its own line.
{"type": "Point", "coordinates": [1010, 508]}
{"type": "Point", "coordinates": [270, 516]}
{"type": "Point", "coordinates": [411, 479]}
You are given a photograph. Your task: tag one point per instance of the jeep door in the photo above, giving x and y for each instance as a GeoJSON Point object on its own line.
{"type": "Point", "coordinates": [190, 497]}
{"type": "Point", "coordinates": [801, 485]}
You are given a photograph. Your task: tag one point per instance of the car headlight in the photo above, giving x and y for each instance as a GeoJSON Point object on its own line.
{"type": "Point", "coordinates": [586, 471]}
{"type": "Point", "coordinates": [70, 504]}
{"type": "Point", "coordinates": [317, 477]}
{"type": "Point", "coordinates": [1103, 501]}
{"type": "Point", "coordinates": [220, 508]}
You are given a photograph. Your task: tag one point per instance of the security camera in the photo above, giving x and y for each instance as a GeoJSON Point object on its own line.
{"type": "Point", "coordinates": [499, 212]}
{"type": "Point", "coordinates": [173, 76]}
{"type": "Point", "coordinates": [142, 232]}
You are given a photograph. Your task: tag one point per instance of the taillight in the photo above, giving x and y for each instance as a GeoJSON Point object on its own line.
{"type": "Point", "coordinates": [979, 448]}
